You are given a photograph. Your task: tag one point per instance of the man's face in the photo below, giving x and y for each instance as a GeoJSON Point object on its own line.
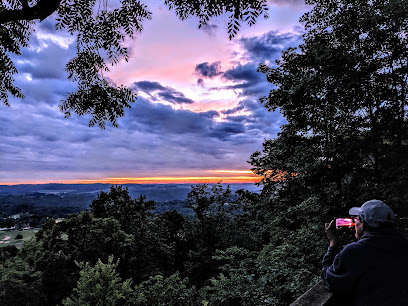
{"type": "Point", "coordinates": [359, 227]}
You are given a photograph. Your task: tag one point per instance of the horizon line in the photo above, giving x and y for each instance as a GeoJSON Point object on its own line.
{"type": "Point", "coordinates": [152, 180]}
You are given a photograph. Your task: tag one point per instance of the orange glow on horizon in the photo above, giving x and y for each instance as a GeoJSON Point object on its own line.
{"type": "Point", "coordinates": [225, 176]}
{"type": "Point", "coordinates": [232, 171]}
{"type": "Point", "coordinates": [169, 180]}
{"type": "Point", "coordinates": [251, 178]}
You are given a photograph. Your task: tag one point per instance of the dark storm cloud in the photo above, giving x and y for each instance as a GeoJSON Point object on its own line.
{"type": "Point", "coordinates": [268, 46]}
{"type": "Point", "coordinates": [159, 92]}
{"type": "Point", "coordinates": [210, 114]}
{"type": "Point", "coordinates": [207, 70]}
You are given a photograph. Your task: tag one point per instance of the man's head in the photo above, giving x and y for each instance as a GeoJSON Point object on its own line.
{"type": "Point", "coordinates": [372, 215]}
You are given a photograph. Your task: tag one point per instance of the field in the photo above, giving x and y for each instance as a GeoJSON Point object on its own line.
{"type": "Point", "coordinates": [8, 237]}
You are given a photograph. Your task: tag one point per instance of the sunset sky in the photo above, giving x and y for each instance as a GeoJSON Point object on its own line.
{"type": "Point", "coordinates": [197, 117]}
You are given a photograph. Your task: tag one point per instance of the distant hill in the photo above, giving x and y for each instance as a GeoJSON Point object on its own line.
{"type": "Point", "coordinates": [156, 192]}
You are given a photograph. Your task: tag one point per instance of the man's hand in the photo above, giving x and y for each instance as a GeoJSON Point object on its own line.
{"type": "Point", "coordinates": [330, 229]}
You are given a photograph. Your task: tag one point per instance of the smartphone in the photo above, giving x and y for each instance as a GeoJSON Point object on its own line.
{"type": "Point", "coordinates": [344, 222]}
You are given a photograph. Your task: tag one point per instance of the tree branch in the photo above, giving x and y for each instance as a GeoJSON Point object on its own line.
{"type": "Point", "coordinates": [24, 3]}
{"type": "Point", "coordinates": [41, 10]}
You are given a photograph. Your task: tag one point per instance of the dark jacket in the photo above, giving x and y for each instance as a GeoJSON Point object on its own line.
{"type": "Point", "coordinates": [372, 271]}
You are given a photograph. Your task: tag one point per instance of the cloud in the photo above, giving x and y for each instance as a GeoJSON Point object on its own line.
{"type": "Point", "coordinates": [174, 97]}
{"type": "Point", "coordinates": [245, 73]}
{"type": "Point", "coordinates": [163, 119]}
{"type": "Point", "coordinates": [152, 137]}
{"type": "Point", "coordinates": [148, 87]}
{"type": "Point", "coordinates": [210, 29]}
{"type": "Point", "coordinates": [46, 63]}
{"type": "Point", "coordinates": [247, 79]}
{"type": "Point", "coordinates": [223, 130]}
{"type": "Point", "coordinates": [159, 92]}
{"type": "Point", "coordinates": [156, 136]}
{"type": "Point", "coordinates": [47, 25]}
{"type": "Point", "coordinates": [269, 46]}
{"type": "Point", "coordinates": [207, 70]}
{"type": "Point", "coordinates": [200, 82]}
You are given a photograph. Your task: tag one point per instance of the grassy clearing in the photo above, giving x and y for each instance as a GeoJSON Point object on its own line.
{"type": "Point", "coordinates": [8, 237]}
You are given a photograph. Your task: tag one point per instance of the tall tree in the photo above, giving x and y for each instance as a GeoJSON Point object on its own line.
{"type": "Point", "coordinates": [100, 28]}
{"type": "Point", "coordinates": [119, 205]}
{"type": "Point", "coordinates": [214, 211]}
{"type": "Point", "coordinates": [344, 94]}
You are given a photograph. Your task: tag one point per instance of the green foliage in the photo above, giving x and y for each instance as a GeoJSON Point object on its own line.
{"type": "Point", "coordinates": [80, 237]}
{"type": "Point", "coordinates": [290, 268]}
{"type": "Point", "coordinates": [343, 93]}
{"type": "Point", "coordinates": [237, 289]}
{"type": "Point", "coordinates": [99, 285]}
{"type": "Point", "coordinates": [236, 285]}
{"type": "Point", "coordinates": [173, 239]}
{"type": "Point", "coordinates": [162, 291]}
{"type": "Point", "coordinates": [7, 252]}
{"type": "Point", "coordinates": [209, 202]}
{"type": "Point", "coordinates": [214, 210]}
{"type": "Point", "coordinates": [13, 36]}
{"type": "Point", "coordinates": [20, 284]}
{"type": "Point", "coordinates": [119, 205]}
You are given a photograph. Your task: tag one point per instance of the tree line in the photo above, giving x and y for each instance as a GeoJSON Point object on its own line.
{"type": "Point", "coordinates": [120, 253]}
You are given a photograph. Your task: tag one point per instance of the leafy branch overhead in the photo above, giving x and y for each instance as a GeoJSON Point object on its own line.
{"type": "Point", "coordinates": [100, 28]}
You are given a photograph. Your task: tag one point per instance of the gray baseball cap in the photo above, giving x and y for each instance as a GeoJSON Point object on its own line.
{"type": "Point", "coordinates": [374, 213]}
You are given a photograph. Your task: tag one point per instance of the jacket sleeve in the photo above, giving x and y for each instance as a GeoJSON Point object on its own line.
{"type": "Point", "coordinates": [328, 259]}
{"type": "Point", "coordinates": [338, 272]}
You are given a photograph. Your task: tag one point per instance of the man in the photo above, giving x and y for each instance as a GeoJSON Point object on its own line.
{"type": "Point", "coordinates": [373, 270]}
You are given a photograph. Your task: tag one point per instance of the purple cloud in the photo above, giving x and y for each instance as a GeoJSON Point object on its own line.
{"type": "Point", "coordinates": [207, 70]}
{"type": "Point", "coordinates": [159, 92]}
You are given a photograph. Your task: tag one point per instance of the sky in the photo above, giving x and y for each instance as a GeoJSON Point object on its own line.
{"type": "Point", "coordinates": [197, 117]}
